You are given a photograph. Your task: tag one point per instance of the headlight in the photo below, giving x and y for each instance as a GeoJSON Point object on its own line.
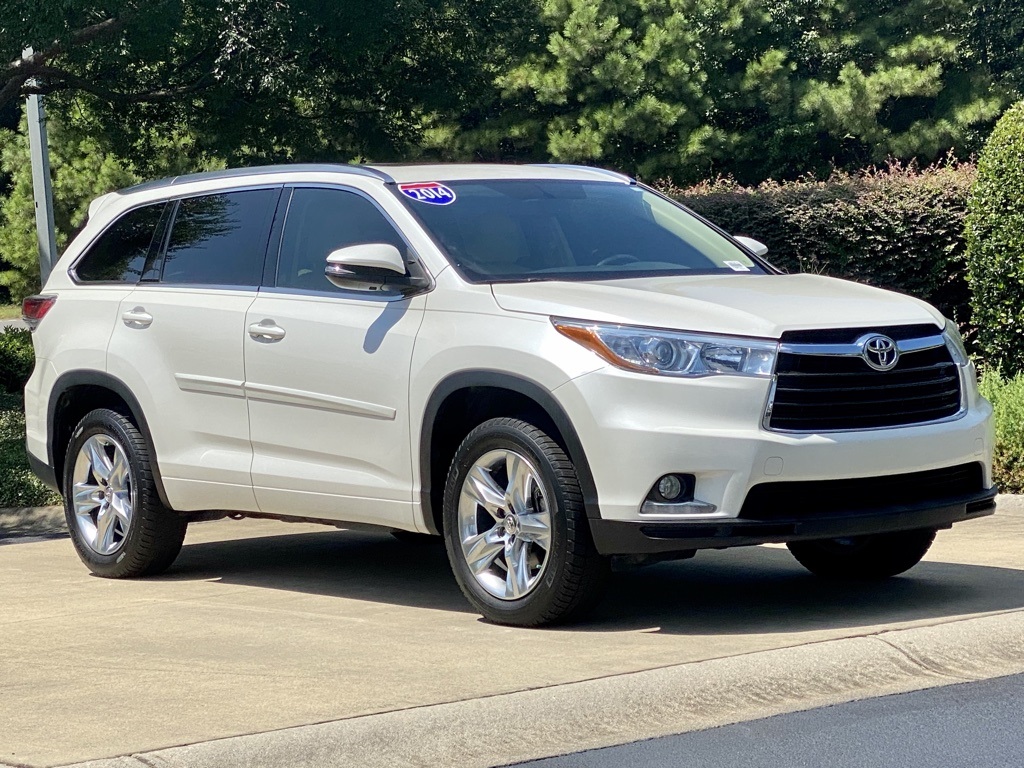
{"type": "Point", "coordinates": [670, 353]}
{"type": "Point", "coordinates": [955, 343]}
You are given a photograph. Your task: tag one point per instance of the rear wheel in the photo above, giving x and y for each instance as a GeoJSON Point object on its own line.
{"type": "Point", "coordinates": [515, 527]}
{"type": "Point", "coordinates": [863, 557]}
{"type": "Point", "coordinates": [117, 522]}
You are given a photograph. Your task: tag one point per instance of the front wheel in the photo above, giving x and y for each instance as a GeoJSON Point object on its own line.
{"type": "Point", "coordinates": [878, 556]}
{"type": "Point", "coordinates": [117, 522]}
{"type": "Point", "coordinates": [515, 528]}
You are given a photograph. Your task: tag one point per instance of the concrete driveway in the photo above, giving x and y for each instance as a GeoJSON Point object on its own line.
{"type": "Point", "coordinates": [262, 626]}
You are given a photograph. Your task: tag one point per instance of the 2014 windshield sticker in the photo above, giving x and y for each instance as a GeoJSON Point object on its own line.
{"type": "Point", "coordinates": [737, 266]}
{"type": "Point", "coordinates": [428, 192]}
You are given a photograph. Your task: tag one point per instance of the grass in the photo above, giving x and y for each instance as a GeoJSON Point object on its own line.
{"type": "Point", "coordinates": [10, 311]}
{"type": "Point", "coordinates": [19, 487]}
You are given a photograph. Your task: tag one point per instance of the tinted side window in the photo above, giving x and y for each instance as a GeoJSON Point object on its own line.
{"type": "Point", "coordinates": [323, 220]}
{"type": "Point", "coordinates": [219, 239]}
{"type": "Point", "coordinates": [119, 254]}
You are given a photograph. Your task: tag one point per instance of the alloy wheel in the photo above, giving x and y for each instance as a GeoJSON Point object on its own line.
{"type": "Point", "coordinates": [505, 523]}
{"type": "Point", "coordinates": [103, 494]}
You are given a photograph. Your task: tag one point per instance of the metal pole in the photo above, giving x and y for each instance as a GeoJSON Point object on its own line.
{"type": "Point", "coordinates": [42, 189]}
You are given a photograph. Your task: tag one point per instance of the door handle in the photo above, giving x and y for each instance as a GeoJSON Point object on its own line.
{"type": "Point", "coordinates": [266, 330]}
{"type": "Point", "coordinates": [137, 318]}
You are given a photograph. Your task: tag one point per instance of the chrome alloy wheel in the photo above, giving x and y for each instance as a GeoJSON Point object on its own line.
{"type": "Point", "coordinates": [103, 494]}
{"type": "Point", "coordinates": [505, 523]}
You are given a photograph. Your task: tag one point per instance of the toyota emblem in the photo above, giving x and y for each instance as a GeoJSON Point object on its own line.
{"type": "Point", "coordinates": [880, 352]}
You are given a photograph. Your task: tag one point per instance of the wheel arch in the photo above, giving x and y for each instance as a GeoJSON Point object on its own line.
{"type": "Point", "coordinates": [74, 394]}
{"type": "Point", "coordinates": [468, 398]}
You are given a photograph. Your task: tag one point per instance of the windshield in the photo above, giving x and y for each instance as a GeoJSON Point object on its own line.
{"type": "Point", "coordinates": [521, 230]}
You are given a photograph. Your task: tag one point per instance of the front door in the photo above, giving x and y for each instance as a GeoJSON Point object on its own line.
{"type": "Point", "coordinates": [327, 373]}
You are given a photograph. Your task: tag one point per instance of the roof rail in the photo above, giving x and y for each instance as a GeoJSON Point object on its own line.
{"type": "Point", "coordinates": [572, 167]}
{"type": "Point", "coordinates": [260, 170]}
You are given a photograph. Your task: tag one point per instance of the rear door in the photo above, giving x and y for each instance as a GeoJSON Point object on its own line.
{"type": "Point", "coordinates": [178, 342]}
{"type": "Point", "coordinates": [327, 372]}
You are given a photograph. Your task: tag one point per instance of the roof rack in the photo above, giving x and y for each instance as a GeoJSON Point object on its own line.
{"type": "Point", "coordinates": [602, 171]}
{"type": "Point", "coordinates": [262, 170]}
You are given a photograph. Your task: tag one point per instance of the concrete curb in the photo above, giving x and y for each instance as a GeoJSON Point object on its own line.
{"type": "Point", "coordinates": [19, 523]}
{"type": "Point", "coordinates": [625, 708]}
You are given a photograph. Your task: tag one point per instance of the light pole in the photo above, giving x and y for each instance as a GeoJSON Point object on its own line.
{"type": "Point", "coordinates": [42, 189]}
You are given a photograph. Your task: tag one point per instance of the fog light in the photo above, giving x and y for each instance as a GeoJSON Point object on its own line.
{"type": "Point", "coordinates": [670, 487]}
{"type": "Point", "coordinates": [673, 488]}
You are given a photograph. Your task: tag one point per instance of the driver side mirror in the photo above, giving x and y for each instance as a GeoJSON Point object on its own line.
{"type": "Point", "coordinates": [371, 267]}
{"type": "Point", "coordinates": [759, 248]}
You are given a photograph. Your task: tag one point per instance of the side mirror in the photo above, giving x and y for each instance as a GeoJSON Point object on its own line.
{"type": "Point", "coordinates": [759, 248]}
{"type": "Point", "coordinates": [371, 267]}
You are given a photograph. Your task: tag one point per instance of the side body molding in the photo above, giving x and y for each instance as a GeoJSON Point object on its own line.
{"type": "Point", "coordinates": [522, 386]}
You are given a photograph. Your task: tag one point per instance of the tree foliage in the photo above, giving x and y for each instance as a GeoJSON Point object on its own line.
{"type": "Point", "coordinates": [259, 81]}
{"type": "Point", "coordinates": [755, 88]}
{"type": "Point", "coordinates": [995, 243]}
{"type": "Point", "coordinates": [994, 35]}
{"type": "Point", "coordinates": [82, 171]}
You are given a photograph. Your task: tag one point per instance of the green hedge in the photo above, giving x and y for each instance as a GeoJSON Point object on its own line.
{"type": "Point", "coordinates": [18, 486]}
{"type": "Point", "coordinates": [1007, 398]}
{"type": "Point", "coordinates": [995, 245]}
{"type": "Point", "coordinates": [17, 359]}
{"type": "Point", "coordinates": [896, 227]}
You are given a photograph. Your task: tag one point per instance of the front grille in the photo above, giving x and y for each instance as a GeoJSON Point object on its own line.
{"type": "Point", "coordinates": [795, 500]}
{"type": "Point", "coordinates": [823, 393]}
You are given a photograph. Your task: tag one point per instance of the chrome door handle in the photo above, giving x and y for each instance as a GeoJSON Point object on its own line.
{"type": "Point", "coordinates": [137, 318]}
{"type": "Point", "coordinates": [266, 330]}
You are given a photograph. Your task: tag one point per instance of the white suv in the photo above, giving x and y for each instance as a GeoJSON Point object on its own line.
{"type": "Point", "coordinates": [549, 366]}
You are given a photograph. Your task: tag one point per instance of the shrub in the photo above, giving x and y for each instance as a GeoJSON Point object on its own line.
{"type": "Point", "coordinates": [17, 359]}
{"type": "Point", "coordinates": [995, 245]}
{"type": "Point", "coordinates": [18, 486]}
{"type": "Point", "coordinates": [1007, 397]}
{"type": "Point", "coordinates": [898, 227]}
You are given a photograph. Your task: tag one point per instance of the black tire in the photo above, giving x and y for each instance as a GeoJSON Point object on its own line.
{"type": "Point", "coordinates": [571, 579]}
{"type": "Point", "coordinates": [154, 533]}
{"type": "Point", "coordinates": [863, 557]}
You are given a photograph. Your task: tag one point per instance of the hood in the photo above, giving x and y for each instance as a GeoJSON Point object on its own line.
{"type": "Point", "coordinates": [742, 305]}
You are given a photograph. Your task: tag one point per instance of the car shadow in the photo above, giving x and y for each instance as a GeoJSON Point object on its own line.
{"type": "Point", "coordinates": [744, 591]}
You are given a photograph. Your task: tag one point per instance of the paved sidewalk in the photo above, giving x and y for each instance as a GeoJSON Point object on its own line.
{"type": "Point", "coordinates": [292, 645]}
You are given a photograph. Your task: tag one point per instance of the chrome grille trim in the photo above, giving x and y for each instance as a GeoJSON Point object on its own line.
{"type": "Point", "coordinates": [935, 382]}
{"type": "Point", "coordinates": [855, 349]}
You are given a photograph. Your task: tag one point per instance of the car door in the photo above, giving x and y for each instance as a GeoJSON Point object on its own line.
{"type": "Point", "coordinates": [327, 372]}
{"type": "Point", "coordinates": [178, 345]}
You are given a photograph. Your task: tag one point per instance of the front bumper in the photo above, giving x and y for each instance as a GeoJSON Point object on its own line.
{"type": "Point", "coordinates": [635, 428]}
{"type": "Point", "coordinates": [620, 537]}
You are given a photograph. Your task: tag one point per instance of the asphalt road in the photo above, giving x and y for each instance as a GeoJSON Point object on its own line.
{"type": "Point", "coordinates": [972, 724]}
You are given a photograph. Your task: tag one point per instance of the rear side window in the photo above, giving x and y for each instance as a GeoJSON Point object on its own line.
{"type": "Point", "coordinates": [323, 220]}
{"type": "Point", "coordinates": [119, 254]}
{"type": "Point", "coordinates": [220, 239]}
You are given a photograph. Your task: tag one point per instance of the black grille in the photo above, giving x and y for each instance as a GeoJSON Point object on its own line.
{"type": "Point", "coordinates": [818, 393]}
{"type": "Point", "coordinates": [793, 500]}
